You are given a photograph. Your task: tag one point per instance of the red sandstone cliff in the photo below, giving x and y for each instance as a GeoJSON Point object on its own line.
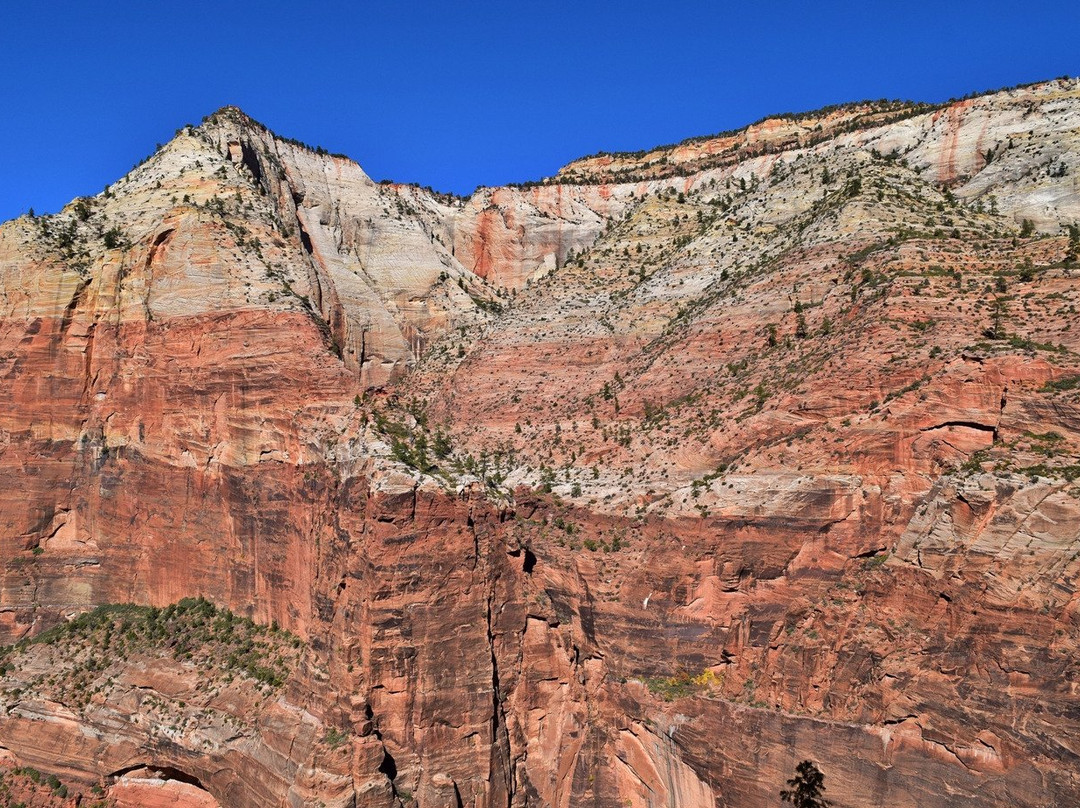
{"type": "Point", "coordinates": [613, 490]}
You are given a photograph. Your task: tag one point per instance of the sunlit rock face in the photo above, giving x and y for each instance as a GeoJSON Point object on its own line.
{"type": "Point", "coordinates": [635, 486]}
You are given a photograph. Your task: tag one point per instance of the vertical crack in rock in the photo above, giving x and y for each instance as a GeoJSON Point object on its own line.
{"type": "Point", "coordinates": [76, 301]}
{"type": "Point", "coordinates": [500, 736]}
{"type": "Point", "coordinates": [387, 765]}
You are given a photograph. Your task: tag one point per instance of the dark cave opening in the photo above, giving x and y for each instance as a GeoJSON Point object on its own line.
{"type": "Point", "coordinates": [530, 561]}
{"type": "Point", "coordinates": [153, 770]}
{"type": "Point", "coordinates": [388, 766]}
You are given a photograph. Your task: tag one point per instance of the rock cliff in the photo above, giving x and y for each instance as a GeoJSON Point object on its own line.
{"type": "Point", "coordinates": [634, 486]}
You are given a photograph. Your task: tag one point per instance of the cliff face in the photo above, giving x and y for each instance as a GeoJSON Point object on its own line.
{"type": "Point", "coordinates": [637, 486]}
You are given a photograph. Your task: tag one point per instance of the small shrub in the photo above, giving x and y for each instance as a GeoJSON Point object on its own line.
{"type": "Point", "coordinates": [113, 238]}
{"type": "Point", "coordinates": [335, 737]}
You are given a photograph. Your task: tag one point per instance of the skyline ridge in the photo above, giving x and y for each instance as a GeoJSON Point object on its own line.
{"type": "Point", "coordinates": [557, 177]}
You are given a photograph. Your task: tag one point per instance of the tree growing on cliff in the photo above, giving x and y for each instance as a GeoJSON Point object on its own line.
{"type": "Point", "coordinates": [1072, 252]}
{"type": "Point", "coordinates": [805, 787]}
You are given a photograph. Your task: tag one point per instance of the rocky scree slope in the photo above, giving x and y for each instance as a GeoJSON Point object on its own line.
{"type": "Point", "coordinates": [634, 486]}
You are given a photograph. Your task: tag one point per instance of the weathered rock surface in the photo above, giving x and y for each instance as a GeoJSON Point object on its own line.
{"type": "Point", "coordinates": [636, 486]}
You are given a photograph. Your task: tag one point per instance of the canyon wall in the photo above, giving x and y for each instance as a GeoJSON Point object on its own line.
{"type": "Point", "coordinates": [636, 486]}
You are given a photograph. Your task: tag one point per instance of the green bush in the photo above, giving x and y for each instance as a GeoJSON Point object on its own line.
{"type": "Point", "coordinates": [113, 238]}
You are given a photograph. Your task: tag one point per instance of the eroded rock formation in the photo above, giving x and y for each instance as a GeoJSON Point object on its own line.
{"type": "Point", "coordinates": [636, 486]}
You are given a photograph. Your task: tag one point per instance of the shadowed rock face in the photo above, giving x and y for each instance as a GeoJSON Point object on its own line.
{"type": "Point", "coordinates": [634, 487]}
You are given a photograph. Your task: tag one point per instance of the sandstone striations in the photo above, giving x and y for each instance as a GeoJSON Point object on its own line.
{"type": "Point", "coordinates": [635, 486]}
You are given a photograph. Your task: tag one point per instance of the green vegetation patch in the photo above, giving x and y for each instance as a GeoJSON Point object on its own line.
{"type": "Point", "coordinates": [24, 782]}
{"type": "Point", "coordinates": [1068, 473]}
{"type": "Point", "coordinates": [683, 684]}
{"type": "Point", "coordinates": [86, 652]}
{"type": "Point", "coordinates": [1061, 385]}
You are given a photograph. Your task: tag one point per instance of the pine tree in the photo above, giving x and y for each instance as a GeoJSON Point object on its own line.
{"type": "Point", "coordinates": [806, 787]}
{"type": "Point", "coordinates": [1072, 252]}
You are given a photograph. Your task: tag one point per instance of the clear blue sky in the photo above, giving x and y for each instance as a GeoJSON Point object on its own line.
{"type": "Point", "coordinates": [457, 94]}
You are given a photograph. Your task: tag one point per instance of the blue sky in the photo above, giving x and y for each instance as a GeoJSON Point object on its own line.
{"type": "Point", "coordinates": [455, 95]}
